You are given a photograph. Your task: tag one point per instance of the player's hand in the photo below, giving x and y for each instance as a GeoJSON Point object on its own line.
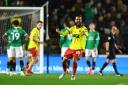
{"type": "Point", "coordinates": [83, 50]}
{"type": "Point", "coordinates": [57, 30]}
{"type": "Point", "coordinates": [82, 32]}
{"type": "Point", "coordinates": [107, 53]}
{"type": "Point", "coordinates": [95, 49]}
{"type": "Point", "coordinates": [45, 44]}
{"type": "Point", "coordinates": [41, 42]}
{"type": "Point", "coordinates": [120, 51]}
{"type": "Point", "coordinates": [5, 40]}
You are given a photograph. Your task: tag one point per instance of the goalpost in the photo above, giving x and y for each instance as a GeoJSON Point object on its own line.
{"type": "Point", "coordinates": [28, 17]}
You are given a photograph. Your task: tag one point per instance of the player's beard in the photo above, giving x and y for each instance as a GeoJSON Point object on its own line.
{"type": "Point", "coordinates": [78, 25]}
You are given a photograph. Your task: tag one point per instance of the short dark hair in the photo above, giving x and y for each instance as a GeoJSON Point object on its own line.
{"type": "Point", "coordinates": [78, 16]}
{"type": "Point", "coordinates": [39, 21]}
{"type": "Point", "coordinates": [16, 23]}
{"type": "Point", "coordinates": [93, 23]}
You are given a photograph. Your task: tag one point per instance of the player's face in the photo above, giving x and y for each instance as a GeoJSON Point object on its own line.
{"type": "Point", "coordinates": [78, 20]}
{"type": "Point", "coordinates": [92, 26]}
{"type": "Point", "coordinates": [114, 30]}
{"type": "Point", "coordinates": [39, 25]}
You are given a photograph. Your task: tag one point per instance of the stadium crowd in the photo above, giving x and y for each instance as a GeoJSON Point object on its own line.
{"type": "Point", "coordinates": [105, 13]}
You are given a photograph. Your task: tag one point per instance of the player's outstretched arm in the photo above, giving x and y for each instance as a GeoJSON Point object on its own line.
{"type": "Point", "coordinates": [4, 37]}
{"type": "Point", "coordinates": [117, 48]}
{"type": "Point", "coordinates": [62, 33]}
{"type": "Point", "coordinates": [107, 48]}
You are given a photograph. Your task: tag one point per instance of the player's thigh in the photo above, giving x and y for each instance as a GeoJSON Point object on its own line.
{"type": "Point", "coordinates": [87, 52]}
{"type": "Point", "coordinates": [63, 50]}
{"type": "Point", "coordinates": [111, 55]}
{"type": "Point", "coordinates": [19, 52]}
{"type": "Point", "coordinates": [77, 54]}
{"type": "Point", "coordinates": [12, 52]}
{"type": "Point", "coordinates": [68, 54]}
{"type": "Point", "coordinates": [94, 53]}
{"type": "Point", "coordinates": [34, 59]}
{"type": "Point", "coordinates": [33, 52]}
{"type": "Point", "coordinates": [9, 53]}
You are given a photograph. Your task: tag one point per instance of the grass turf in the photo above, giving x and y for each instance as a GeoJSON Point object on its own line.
{"type": "Point", "coordinates": [52, 79]}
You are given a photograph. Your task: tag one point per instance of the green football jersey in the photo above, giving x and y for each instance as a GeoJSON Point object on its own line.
{"type": "Point", "coordinates": [92, 40]}
{"type": "Point", "coordinates": [65, 41]}
{"type": "Point", "coordinates": [15, 36]}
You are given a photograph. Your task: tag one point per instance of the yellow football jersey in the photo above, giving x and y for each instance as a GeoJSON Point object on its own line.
{"type": "Point", "coordinates": [36, 33]}
{"type": "Point", "coordinates": [78, 39]}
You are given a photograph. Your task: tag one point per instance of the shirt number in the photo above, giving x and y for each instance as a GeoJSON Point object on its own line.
{"type": "Point", "coordinates": [15, 36]}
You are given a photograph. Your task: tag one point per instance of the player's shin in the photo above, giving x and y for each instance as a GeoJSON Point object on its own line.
{"type": "Point", "coordinates": [11, 65]}
{"type": "Point", "coordinates": [22, 65]}
{"type": "Point", "coordinates": [74, 67]}
{"type": "Point", "coordinates": [93, 65]}
{"type": "Point", "coordinates": [104, 65]}
{"type": "Point", "coordinates": [14, 66]}
{"type": "Point", "coordinates": [8, 66]}
{"type": "Point", "coordinates": [115, 68]}
{"type": "Point", "coordinates": [64, 65]}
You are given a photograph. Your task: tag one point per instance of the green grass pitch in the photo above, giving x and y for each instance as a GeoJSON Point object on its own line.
{"type": "Point", "coordinates": [52, 79]}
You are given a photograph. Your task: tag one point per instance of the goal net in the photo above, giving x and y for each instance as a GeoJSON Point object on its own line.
{"type": "Point", "coordinates": [27, 16]}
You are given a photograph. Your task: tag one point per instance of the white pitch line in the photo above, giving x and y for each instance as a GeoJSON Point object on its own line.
{"type": "Point", "coordinates": [122, 84]}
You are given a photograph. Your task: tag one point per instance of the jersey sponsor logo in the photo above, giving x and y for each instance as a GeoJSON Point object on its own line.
{"type": "Point", "coordinates": [90, 38]}
{"type": "Point", "coordinates": [76, 35]}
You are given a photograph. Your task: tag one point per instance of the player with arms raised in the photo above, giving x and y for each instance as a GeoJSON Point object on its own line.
{"type": "Point", "coordinates": [75, 51]}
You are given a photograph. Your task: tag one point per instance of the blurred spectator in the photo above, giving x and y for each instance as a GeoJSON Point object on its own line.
{"type": "Point", "coordinates": [118, 39]}
{"type": "Point", "coordinates": [78, 7]}
{"type": "Point", "coordinates": [105, 13]}
{"type": "Point", "coordinates": [90, 12]}
{"type": "Point", "coordinates": [1, 2]}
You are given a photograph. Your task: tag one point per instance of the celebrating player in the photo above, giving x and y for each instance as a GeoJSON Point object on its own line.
{"type": "Point", "coordinates": [65, 41]}
{"type": "Point", "coordinates": [79, 33]}
{"type": "Point", "coordinates": [91, 48]}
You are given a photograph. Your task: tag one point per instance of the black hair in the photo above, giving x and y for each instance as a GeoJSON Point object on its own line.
{"type": "Point", "coordinates": [39, 21]}
{"type": "Point", "coordinates": [16, 23]}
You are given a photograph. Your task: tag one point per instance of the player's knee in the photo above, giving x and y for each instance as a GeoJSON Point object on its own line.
{"type": "Point", "coordinates": [87, 58]}
{"type": "Point", "coordinates": [35, 61]}
{"type": "Point", "coordinates": [10, 59]}
{"type": "Point", "coordinates": [13, 58]}
{"type": "Point", "coordinates": [113, 61]}
{"type": "Point", "coordinates": [29, 59]}
{"type": "Point", "coordinates": [20, 58]}
{"type": "Point", "coordinates": [75, 59]}
{"type": "Point", "coordinates": [94, 58]}
{"type": "Point", "coordinates": [107, 61]}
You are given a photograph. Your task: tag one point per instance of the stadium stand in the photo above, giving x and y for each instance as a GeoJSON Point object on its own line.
{"type": "Point", "coordinates": [104, 12]}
